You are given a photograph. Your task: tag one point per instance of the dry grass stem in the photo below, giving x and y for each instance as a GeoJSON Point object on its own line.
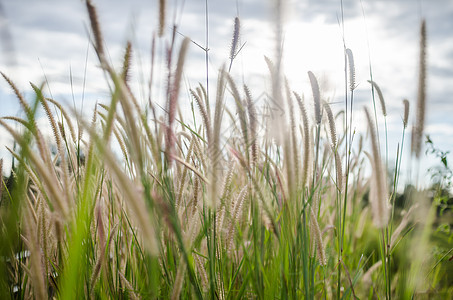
{"type": "Point", "coordinates": [378, 189]}
{"type": "Point", "coordinates": [351, 65]}
{"type": "Point", "coordinates": [333, 131]}
{"type": "Point", "coordinates": [95, 27]}
{"type": "Point", "coordinates": [316, 96]}
{"type": "Point", "coordinates": [381, 97]}
{"type": "Point", "coordinates": [419, 127]}
{"type": "Point", "coordinates": [406, 112]}
{"type": "Point", "coordinates": [306, 140]}
{"type": "Point", "coordinates": [162, 6]}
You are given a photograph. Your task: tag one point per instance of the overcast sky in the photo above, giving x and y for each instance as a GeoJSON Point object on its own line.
{"type": "Point", "coordinates": [49, 38]}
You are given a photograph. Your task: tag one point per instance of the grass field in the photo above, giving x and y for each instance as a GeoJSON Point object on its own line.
{"type": "Point", "coordinates": [224, 202]}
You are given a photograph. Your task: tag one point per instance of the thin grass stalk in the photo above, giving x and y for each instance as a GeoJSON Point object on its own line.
{"type": "Point", "coordinates": [151, 73]}
{"type": "Point", "coordinates": [42, 235]}
{"type": "Point", "coordinates": [351, 65]}
{"type": "Point", "coordinates": [389, 229]}
{"type": "Point", "coordinates": [190, 167]}
{"type": "Point", "coordinates": [32, 202]}
{"type": "Point", "coordinates": [103, 245]}
{"type": "Point", "coordinates": [152, 142]}
{"type": "Point", "coordinates": [253, 126]}
{"type": "Point", "coordinates": [399, 156]}
{"type": "Point", "coordinates": [378, 200]}
{"type": "Point", "coordinates": [306, 149]}
{"type": "Point", "coordinates": [173, 98]}
{"type": "Point", "coordinates": [405, 122]}
{"type": "Point", "coordinates": [234, 42]}
{"type": "Point", "coordinates": [277, 72]}
{"type": "Point", "coordinates": [179, 280]}
{"type": "Point", "coordinates": [293, 159]}
{"type": "Point", "coordinates": [200, 154]}
{"type": "Point", "coordinates": [235, 217]}
{"type": "Point", "coordinates": [274, 122]}
{"type": "Point", "coordinates": [318, 117]}
{"type": "Point", "coordinates": [214, 152]}
{"type": "Point", "coordinates": [421, 96]}
{"type": "Point", "coordinates": [121, 143]}
{"type": "Point", "coordinates": [373, 100]}
{"type": "Point", "coordinates": [204, 95]}
{"type": "Point", "coordinates": [384, 113]}
{"type": "Point", "coordinates": [95, 27]}
{"type": "Point", "coordinates": [36, 270]}
{"type": "Point", "coordinates": [331, 120]}
{"type": "Point", "coordinates": [378, 195]}
{"type": "Point", "coordinates": [385, 235]}
{"type": "Point", "coordinates": [341, 207]}
{"type": "Point", "coordinates": [240, 108]}
{"type": "Point", "coordinates": [339, 171]}
{"type": "Point", "coordinates": [317, 238]}
{"type": "Point", "coordinates": [193, 229]}
{"type": "Point", "coordinates": [162, 9]}
{"type": "Point", "coordinates": [202, 272]}
{"type": "Point", "coordinates": [227, 185]}
{"type": "Point", "coordinates": [125, 72]}
{"type": "Point", "coordinates": [66, 117]}
{"type": "Point", "coordinates": [184, 174]}
{"type": "Point", "coordinates": [204, 114]}
{"type": "Point", "coordinates": [316, 96]}
{"type": "Point", "coordinates": [305, 255]}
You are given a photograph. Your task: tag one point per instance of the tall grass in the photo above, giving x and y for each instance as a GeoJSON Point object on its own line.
{"type": "Point", "coordinates": [198, 212]}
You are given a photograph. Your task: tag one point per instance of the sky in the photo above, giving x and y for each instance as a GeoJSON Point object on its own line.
{"type": "Point", "coordinates": [48, 40]}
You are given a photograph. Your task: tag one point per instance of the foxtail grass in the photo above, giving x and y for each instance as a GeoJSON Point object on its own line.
{"type": "Point", "coordinates": [161, 206]}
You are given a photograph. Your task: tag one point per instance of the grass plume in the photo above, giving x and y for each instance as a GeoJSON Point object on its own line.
{"type": "Point", "coordinates": [417, 131]}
